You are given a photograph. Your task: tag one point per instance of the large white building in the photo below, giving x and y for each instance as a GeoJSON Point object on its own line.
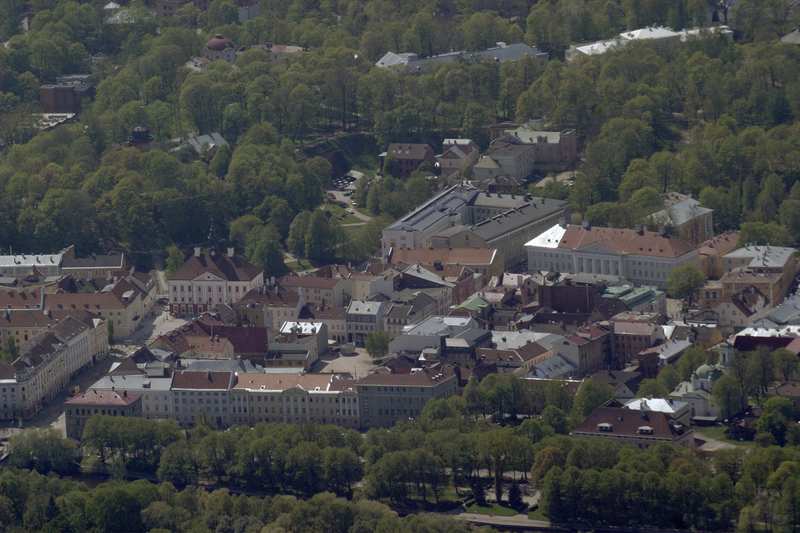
{"type": "Point", "coordinates": [45, 366]}
{"type": "Point", "coordinates": [209, 278]}
{"type": "Point", "coordinates": [295, 398]}
{"type": "Point", "coordinates": [641, 256]}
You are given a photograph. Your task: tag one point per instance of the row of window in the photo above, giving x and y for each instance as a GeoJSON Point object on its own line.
{"type": "Point", "coordinates": [205, 288]}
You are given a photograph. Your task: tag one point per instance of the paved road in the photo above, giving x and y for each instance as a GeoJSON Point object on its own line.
{"type": "Point", "coordinates": [154, 325]}
{"type": "Point", "coordinates": [519, 521]}
{"type": "Point", "coordinates": [340, 197]}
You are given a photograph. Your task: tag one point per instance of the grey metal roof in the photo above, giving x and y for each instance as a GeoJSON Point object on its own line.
{"type": "Point", "coordinates": [787, 313]}
{"type": "Point", "coordinates": [763, 256]}
{"type": "Point", "coordinates": [503, 223]}
{"type": "Point", "coordinates": [136, 382]}
{"type": "Point", "coordinates": [449, 202]}
{"type": "Point", "coordinates": [442, 325]}
{"type": "Point", "coordinates": [231, 365]}
{"type": "Point", "coordinates": [362, 307]}
{"type": "Point", "coordinates": [552, 367]}
{"type": "Point", "coordinates": [680, 212]}
{"type": "Point", "coordinates": [29, 261]}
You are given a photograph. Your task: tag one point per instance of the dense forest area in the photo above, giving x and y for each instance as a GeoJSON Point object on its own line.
{"type": "Point", "coordinates": [272, 475]}
{"type": "Point", "coordinates": [709, 117]}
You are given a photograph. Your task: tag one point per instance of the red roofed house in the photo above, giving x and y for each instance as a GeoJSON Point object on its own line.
{"type": "Point", "coordinates": [80, 408]}
{"type": "Point", "coordinates": [638, 428]}
{"type": "Point", "coordinates": [458, 156]}
{"type": "Point", "coordinates": [209, 278]}
{"type": "Point", "coordinates": [402, 159]}
{"type": "Point", "coordinates": [269, 307]}
{"type": "Point", "coordinates": [202, 396]}
{"type": "Point", "coordinates": [487, 261]}
{"type": "Point", "coordinates": [207, 338]}
{"type": "Point", "coordinates": [122, 303]}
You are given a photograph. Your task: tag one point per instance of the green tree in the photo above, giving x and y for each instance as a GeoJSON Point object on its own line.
{"type": "Point", "coordinates": [590, 396]}
{"type": "Point", "coordinates": [684, 281]}
{"type": "Point", "coordinates": [178, 465]}
{"type": "Point", "coordinates": [668, 377]}
{"type": "Point", "coordinates": [763, 233]}
{"type": "Point", "coordinates": [728, 395]}
{"type": "Point", "coordinates": [377, 344]}
{"type": "Point", "coordinates": [174, 259]}
{"type": "Point", "coordinates": [785, 364]}
{"type": "Point", "coordinates": [43, 450]}
{"type": "Point", "coordinates": [496, 449]}
{"type": "Point", "coordinates": [691, 359]}
{"type": "Point", "coordinates": [296, 241]}
{"type": "Point", "coordinates": [319, 238]}
{"type": "Point", "coordinates": [652, 388]}
{"type": "Point", "coordinates": [263, 249]}
{"type": "Point", "coordinates": [556, 419]}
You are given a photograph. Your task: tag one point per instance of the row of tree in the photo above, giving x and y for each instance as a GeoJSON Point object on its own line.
{"type": "Point", "coordinates": [32, 502]}
{"type": "Point", "coordinates": [586, 482]}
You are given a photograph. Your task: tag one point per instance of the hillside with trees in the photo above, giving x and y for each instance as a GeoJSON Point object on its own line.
{"type": "Point", "coordinates": [710, 117]}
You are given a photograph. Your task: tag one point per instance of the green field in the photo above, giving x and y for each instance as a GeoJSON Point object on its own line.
{"type": "Point", "coordinates": [493, 509]}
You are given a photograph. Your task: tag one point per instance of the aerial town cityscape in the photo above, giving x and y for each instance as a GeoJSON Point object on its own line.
{"type": "Point", "coordinates": [399, 265]}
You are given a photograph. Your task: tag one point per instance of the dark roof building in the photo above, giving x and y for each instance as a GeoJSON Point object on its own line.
{"type": "Point", "coordinates": [228, 267]}
{"type": "Point", "coordinates": [638, 428]}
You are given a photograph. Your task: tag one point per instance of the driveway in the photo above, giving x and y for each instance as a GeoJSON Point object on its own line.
{"type": "Point", "coordinates": [347, 200]}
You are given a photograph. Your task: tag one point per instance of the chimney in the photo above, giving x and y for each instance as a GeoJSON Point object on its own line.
{"type": "Point", "coordinates": [197, 251]}
{"type": "Point", "coordinates": [231, 251]}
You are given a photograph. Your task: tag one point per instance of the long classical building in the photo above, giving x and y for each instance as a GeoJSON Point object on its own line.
{"type": "Point", "coordinates": [209, 278]}
{"type": "Point", "coordinates": [225, 398]}
{"type": "Point", "coordinates": [641, 256]}
{"type": "Point", "coordinates": [45, 366]}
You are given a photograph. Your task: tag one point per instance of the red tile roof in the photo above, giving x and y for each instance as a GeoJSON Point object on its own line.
{"type": "Point", "coordinates": [21, 299]}
{"type": "Point", "coordinates": [308, 282]}
{"type": "Point", "coordinates": [105, 398]}
{"type": "Point", "coordinates": [92, 301]}
{"type": "Point", "coordinates": [187, 379]}
{"type": "Point", "coordinates": [228, 268]}
{"type": "Point", "coordinates": [623, 241]}
{"type": "Point", "coordinates": [446, 256]}
{"type": "Point", "coordinates": [277, 296]}
{"type": "Point", "coordinates": [427, 377]}
{"type": "Point", "coordinates": [208, 335]}
{"type": "Point", "coordinates": [625, 422]}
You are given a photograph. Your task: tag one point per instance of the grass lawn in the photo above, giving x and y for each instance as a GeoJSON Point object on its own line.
{"type": "Point", "coordinates": [538, 515]}
{"type": "Point", "coordinates": [492, 509]}
{"type": "Point", "coordinates": [718, 433]}
{"type": "Point", "coordinates": [299, 265]}
{"type": "Point", "coordinates": [338, 213]}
